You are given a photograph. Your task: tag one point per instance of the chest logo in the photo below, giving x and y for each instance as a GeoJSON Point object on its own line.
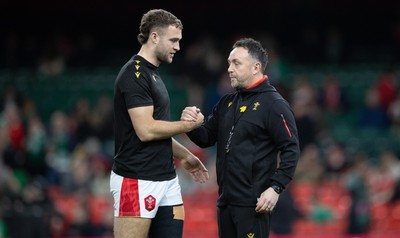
{"type": "Point", "coordinates": [243, 108]}
{"type": "Point", "coordinates": [155, 79]}
{"type": "Point", "coordinates": [229, 104]}
{"type": "Point", "coordinates": [137, 74]}
{"type": "Point", "coordinates": [256, 104]}
{"type": "Point", "coordinates": [250, 235]}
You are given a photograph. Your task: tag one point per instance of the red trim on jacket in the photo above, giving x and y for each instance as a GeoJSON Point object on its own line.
{"type": "Point", "coordinates": [258, 82]}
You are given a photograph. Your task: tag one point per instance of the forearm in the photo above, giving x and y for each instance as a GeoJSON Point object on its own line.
{"type": "Point", "coordinates": [180, 152]}
{"type": "Point", "coordinates": [287, 166]}
{"type": "Point", "coordinates": [148, 129]}
{"type": "Point", "coordinates": [158, 130]}
{"type": "Point", "coordinates": [190, 162]}
{"type": "Point", "coordinates": [202, 137]}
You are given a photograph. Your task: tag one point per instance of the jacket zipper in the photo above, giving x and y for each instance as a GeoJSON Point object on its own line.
{"type": "Point", "coordinates": [286, 126]}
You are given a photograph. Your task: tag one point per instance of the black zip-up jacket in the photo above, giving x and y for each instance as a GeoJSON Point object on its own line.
{"type": "Point", "coordinates": [264, 133]}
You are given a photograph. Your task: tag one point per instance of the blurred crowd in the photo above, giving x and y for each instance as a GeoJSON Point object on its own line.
{"type": "Point", "coordinates": [54, 171]}
{"type": "Point", "coordinates": [44, 165]}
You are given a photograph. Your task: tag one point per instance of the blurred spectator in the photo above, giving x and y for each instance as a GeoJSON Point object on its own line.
{"type": "Point", "coordinates": [336, 161]}
{"type": "Point", "coordinates": [78, 176]}
{"type": "Point", "coordinates": [332, 96]}
{"type": "Point", "coordinates": [10, 95]}
{"type": "Point", "coordinates": [58, 147]}
{"type": "Point", "coordinates": [100, 163]}
{"type": "Point", "coordinates": [387, 87]}
{"type": "Point", "coordinates": [81, 120]}
{"type": "Point", "coordinates": [81, 225]}
{"type": "Point", "coordinates": [320, 213]}
{"type": "Point", "coordinates": [36, 147]}
{"type": "Point", "coordinates": [356, 183]}
{"type": "Point", "coordinates": [382, 178]}
{"type": "Point", "coordinates": [373, 115]}
{"type": "Point", "coordinates": [102, 118]}
{"type": "Point", "coordinates": [305, 108]}
{"type": "Point", "coordinates": [394, 114]}
{"type": "Point", "coordinates": [29, 211]}
{"type": "Point", "coordinates": [51, 65]}
{"type": "Point", "coordinates": [14, 154]}
{"type": "Point", "coordinates": [57, 225]}
{"type": "Point", "coordinates": [309, 168]}
{"type": "Point", "coordinates": [28, 109]}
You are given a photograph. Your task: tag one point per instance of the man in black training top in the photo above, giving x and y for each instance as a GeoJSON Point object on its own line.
{"type": "Point", "coordinates": [144, 183]}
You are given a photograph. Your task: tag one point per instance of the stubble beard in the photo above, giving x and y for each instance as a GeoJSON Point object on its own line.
{"type": "Point", "coordinates": [163, 57]}
{"type": "Point", "coordinates": [234, 83]}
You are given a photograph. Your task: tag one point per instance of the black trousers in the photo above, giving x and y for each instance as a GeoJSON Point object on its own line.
{"type": "Point", "coordinates": [239, 222]}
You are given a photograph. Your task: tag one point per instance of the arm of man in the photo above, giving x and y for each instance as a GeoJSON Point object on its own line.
{"type": "Point", "coordinates": [284, 131]}
{"type": "Point", "coordinates": [149, 129]}
{"type": "Point", "coordinates": [190, 162]}
{"type": "Point", "coordinates": [204, 135]}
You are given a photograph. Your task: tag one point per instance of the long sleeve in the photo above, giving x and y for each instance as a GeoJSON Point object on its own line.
{"type": "Point", "coordinates": [284, 132]}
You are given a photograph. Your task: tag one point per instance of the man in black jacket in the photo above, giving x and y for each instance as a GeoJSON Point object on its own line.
{"type": "Point", "coordinates": [257, 144]}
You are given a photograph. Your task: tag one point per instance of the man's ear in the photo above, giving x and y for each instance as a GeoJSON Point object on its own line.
{"type": "Point", "coordinates": [256, 68]}
{"type": "Point", "coordinates": [154, 37]}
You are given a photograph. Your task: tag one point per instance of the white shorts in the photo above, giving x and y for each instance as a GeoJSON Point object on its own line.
{"type": "Point", "coordinates": [141, 198]}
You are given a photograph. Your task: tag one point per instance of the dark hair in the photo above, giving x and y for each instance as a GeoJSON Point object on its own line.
{"type": "Point", "coordinates": [255, 50]}
{"type": "Point", "coordinates": [156, 18]}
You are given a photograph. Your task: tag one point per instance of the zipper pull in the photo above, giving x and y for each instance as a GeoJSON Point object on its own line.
{"type": "Point", "coordinates": [286, 126]}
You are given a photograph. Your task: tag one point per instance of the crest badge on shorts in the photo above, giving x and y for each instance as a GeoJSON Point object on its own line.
{"type": "Point", "coordinates": [150, 203]}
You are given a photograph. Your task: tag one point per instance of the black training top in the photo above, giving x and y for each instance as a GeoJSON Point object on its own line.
{"type": "Point", "coordinates": [139, 84]}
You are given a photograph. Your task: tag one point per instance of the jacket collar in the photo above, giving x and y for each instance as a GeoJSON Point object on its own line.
{"type": "Point", "coordinates": [262, 85]}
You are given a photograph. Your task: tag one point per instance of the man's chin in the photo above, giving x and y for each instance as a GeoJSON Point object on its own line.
{"type": "Point", "coordinates": [169, 60]}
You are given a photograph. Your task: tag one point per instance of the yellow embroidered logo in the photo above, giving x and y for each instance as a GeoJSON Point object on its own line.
{"type": "Point", "coordinates": [256, 105]}
{"type": "Point", "coordinates": [137, 67]}
{"type": "Point", "coordinates": [229, 104]}
{"type": "Point", "coordinates": [137, 61]}
{"type": "Point", "coordinates": [250, 235]}
{"type": "Point", "coordinates": [137, 74]}
{"type": "Point", "coordinates": [243, 108]}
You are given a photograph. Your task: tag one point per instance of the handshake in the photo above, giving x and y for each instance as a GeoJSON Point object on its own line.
{"type": "Point", "coordinates": [192, 115]}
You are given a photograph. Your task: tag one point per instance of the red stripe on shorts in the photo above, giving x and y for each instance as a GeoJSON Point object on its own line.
{"type": "Point", "coordinates": [129, 200]}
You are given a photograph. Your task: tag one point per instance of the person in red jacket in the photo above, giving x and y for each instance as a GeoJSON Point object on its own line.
{"type": "Point", "coordinates": [257, 144]}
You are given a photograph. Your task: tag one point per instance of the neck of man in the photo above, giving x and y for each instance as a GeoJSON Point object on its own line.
{"type": "Point", "coordinates": [256, 80]}
{"type": "Point", "coordinates": [147, 52]}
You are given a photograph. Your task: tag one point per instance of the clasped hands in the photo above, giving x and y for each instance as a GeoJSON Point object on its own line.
{"type": "Point", "coordinates": [192, 114]}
